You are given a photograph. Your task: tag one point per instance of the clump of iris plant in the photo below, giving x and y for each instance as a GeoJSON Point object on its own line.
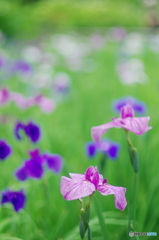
{"type": "Point", "coordinates": [82, 185]}
{"type": "Point", "coordinates": [16, 198]}
{"type": "Point", "coordinates": [34, 167]}
{"type": "Point", "coordinates": [129, 123]}
{"type": "Point", "coordinates": [138, 106]}
{"type": "Point", "coordinates": [32, 131]}
{"type": "Point", "coordinates": [5, 150]}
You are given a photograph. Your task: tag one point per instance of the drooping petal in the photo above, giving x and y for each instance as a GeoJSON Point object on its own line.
{"type": "Point", "coordinates": [21, 173]}
{"type": "Point", "coordinates": [18, 127]}
{"type": "Point", "coordinates": [34, 169]}
{"type": "Point", "coordinates": [32, 131]}
{"type": "Point", "coordinates": [113, 151]}
{"type": "Point", "coordinates": [136, 125]}
{"type": "Point", "coordinates": [18, 200]}
{"type": "Point", "coordinates": [5, 150]}
{"type": "Point", "coordinates": [72, 189]}
{"type": "Point", "coordinates": [54, 162]}
{"type": "Point", "coordinates": [5, 197]}
{"type": "Point", "coordinates": [118, 192]}
{"type": "Point", "coordinates": [98, 131]}
{"type": "Point", "coordinates": [91, 149]}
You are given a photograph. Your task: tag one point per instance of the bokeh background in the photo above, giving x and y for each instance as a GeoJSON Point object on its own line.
{"type": "Point", "coordinates": [81, 57]}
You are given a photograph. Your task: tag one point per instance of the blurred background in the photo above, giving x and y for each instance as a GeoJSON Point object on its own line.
{"type": "Point", "coordinates": [67, 66]}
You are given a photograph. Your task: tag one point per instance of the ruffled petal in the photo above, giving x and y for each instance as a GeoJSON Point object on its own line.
{"type": "Point", "coordinates": [73, 189]}
{"type": "Point", "coordinates": [135, 124]}
{"type": "Point", "coordinates": [97, 132]}
{"type": "Point", "coordinates": [118, 192]}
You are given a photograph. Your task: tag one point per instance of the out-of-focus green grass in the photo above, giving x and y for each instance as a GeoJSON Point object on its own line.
{"type": "Point", "coordinates": [29, 20]}
{"type": "Point", "coordinates": [47, 216]}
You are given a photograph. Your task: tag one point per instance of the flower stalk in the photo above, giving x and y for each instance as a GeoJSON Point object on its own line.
{"type": "Point", "coordinates": [135, 164]}
{"type": "Point", "coordinates": [84, 220]}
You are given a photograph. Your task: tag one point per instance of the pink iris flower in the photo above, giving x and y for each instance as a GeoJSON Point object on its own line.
{"type": "Point", "coordinates": [137, 125]}
{"type": "Point", "coordinates": [82, 185]}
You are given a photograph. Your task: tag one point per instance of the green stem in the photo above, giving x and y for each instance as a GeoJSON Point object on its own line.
{"type": "Point", "coordinates": [89, 233]}
{"type": "Point", "coordinates": [102, 163]}
{"type": "Point", "coordinates": [101, 219]}
{"type": "Point", "coordinates": [134, 200]}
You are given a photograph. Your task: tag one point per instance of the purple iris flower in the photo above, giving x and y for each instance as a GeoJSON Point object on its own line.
{"type": "Point", "coordinates": [32, 131]}
{"type": "Point", "coordinates": [82, 185]}
{"type": "Point", "coordinates": [110, 148]}
{"type": "Point", "coordinates": [138, 106]}
{"type": "Point", "coordinates": [31, 168]}
{"type": "Point", "coordinates": [127, 121]}
{"type": "Point", "coordinates": [16, 198]}
{"type": "Point", "coordinates": [54, 162]}
{"type": "Point", "coordinates": [5, 150]}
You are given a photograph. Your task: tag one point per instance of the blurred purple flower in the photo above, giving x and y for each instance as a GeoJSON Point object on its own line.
{"type": "Point", "coordinates": [54, 162]}
{"type": "Point", "coordinates": [16, 198]}
{"type": "Point", "coordinates": [4, 96]}
{"type": "Point", "coordinates": [110, 148]}
{"type": "Point", "coordinates": [82, 185]}
{"type": "Point", "coordinates": [138, 106]}
{"type": "Point", "coordinates": [137, 125]}
{"type": "Point", "coordinates": [21, 66]}
{"type": "Point", "coordinates": [32, 131]}
{"type": "Point", "coordinates": [33, 168]}
{"type": "Point", "coordinates": [5, 150]}
{"type": "Point", "coordinates": [91, 149]}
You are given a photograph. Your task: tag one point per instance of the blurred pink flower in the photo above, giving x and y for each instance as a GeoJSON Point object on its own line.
{"type": "Point", "coordinates": [46, 104]}
{"type": "Point", "coordinates": [82, 185]}
{"type": "Point", "coordinates": [4, 96]}
{"type": "Point", "coordinates": [138, 125]}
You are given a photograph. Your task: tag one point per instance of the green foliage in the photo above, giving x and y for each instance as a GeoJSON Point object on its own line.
{"type": "Point", "coordinates": [39, 17]}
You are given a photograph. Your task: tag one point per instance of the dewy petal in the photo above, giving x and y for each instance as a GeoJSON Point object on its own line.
{"type": "Point", "coordinates": [73, 189]}
{"type": "Point", "coordinates": [97, 132]}
{"type": "Point", "coordinates": [138, 125]}
{"type": "Point", "coordinates": [118, 192]}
